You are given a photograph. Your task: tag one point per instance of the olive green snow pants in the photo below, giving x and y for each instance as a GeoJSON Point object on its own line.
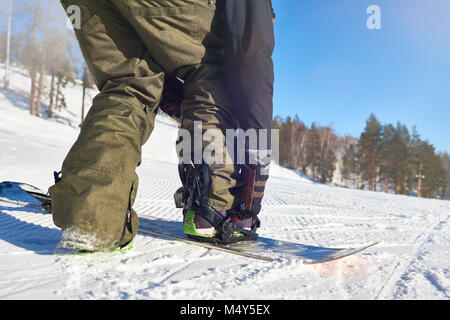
{"type": "Point", "coordinates": [130, 47]}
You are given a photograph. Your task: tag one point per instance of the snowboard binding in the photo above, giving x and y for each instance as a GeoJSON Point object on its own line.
{"type": "Point", "coordinates": [200, 215]}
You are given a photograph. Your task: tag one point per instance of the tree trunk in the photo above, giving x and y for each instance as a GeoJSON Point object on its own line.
{"type": "Point", "coordinates": [419, 182]}
{"type": "Point", "coordinates": [33, 71]}
{"type": "Point", "coordinates": [372, 171]}
{"type": "Point", "coordinates": [397, 185]}
{"type": "Point", "coordinates": [405, 185]}
{"type": "Point", "coordinates": [39, 91]}
{"type": "Point", "coordinates": [43, 62]}
{"type": "Point", "coordinates": [33, 91]}
{"type": "Point", "coordinates": [57, 93]}
{"type": "Point", "coordinates": [52, 93]}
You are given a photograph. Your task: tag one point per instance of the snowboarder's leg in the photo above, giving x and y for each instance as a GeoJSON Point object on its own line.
{"type": "Point", "coordinates": [248, 46]}
{"type": "Point", "coordinates": [92, 203]}
{"type": "Point", "coordinates": [127, 44]}
{"type": "Point", "coordinates": [206, 117]}
{"type": "Point", "coordinates": [206, 114]}
{"type": "Point", "coordinates": [185, 39]}
{"type": "Point", "coordinates": [249, 43]}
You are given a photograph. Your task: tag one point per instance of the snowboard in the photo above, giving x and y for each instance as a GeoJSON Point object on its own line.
{"type": "Point", "coordinates": [23, 194]}
{"type": "Point", "coordinates": [266, 249]}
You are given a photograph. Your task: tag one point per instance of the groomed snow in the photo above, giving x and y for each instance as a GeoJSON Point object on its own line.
{"type": "Point", "coordinates": [411, 262]}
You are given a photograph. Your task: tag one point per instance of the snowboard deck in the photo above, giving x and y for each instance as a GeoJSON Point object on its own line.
{"type": "Point", "coordinates": [23, 194]}
{"type": "Point", "coordinates": [266, 249]}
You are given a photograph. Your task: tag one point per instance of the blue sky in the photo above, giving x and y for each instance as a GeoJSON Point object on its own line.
{"type": "Point", "coordinates": [330, 68]}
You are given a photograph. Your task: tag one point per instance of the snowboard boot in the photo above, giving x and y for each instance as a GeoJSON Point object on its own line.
{"type": "Point", "coordinates": [230, 230]}
{"type": "Point", "coordinates": [203, 222]}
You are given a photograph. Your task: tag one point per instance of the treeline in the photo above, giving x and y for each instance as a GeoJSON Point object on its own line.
{"type": "Point", "coordinates": [388, 157]}
{"type": "Point", "coordinates": [43, 45]}
{"type": "Point", "coordinates": [312, 151]}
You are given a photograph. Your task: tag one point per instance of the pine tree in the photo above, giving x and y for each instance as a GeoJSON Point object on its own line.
{"type": "Point", "coordinates": [433, 174]}
{"type": "Point", "coordinates": [350, 160]}
{"type": "Point", "coordinates": [369, 147]}
{"type": "Point", "coordinates": [299, 137]}
{"type": "Point", "coordinates": [313, 151]}
{"type": "Point", "coordinates": [329, 143]}
{"type": "Point", "coordinates": [445, 190]}
{"type": "Point", "coordinates": [285, 140]}
{"type": "Point", "coordinates": [416, 163]}
{"type": "Point", "coordinates": [427, 167]}
{"type": "Point", "coordinates": [402, 159]}
{"type": "Point", "coordinates": [387, 156]}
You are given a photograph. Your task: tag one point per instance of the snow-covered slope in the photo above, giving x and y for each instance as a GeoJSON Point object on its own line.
{"type": "Point", "coordinates": [411, 262]}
